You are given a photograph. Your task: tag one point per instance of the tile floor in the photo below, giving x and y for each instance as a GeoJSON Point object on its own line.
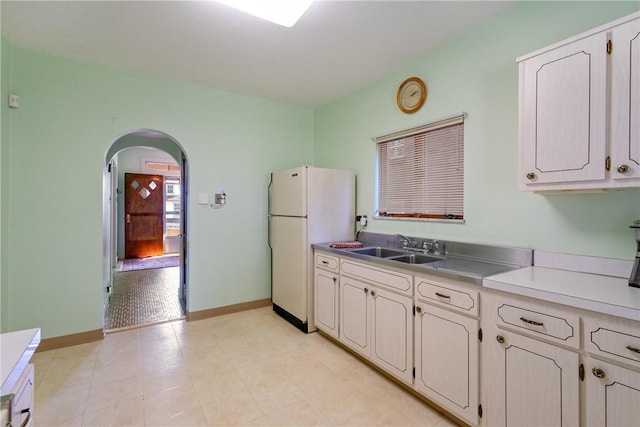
{"type": "Point", "coordinates": [244, 369]}
{"type": "Point", "coordinates": [142, 297]}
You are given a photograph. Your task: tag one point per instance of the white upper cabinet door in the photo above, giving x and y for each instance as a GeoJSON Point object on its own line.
{"type": "Point", "coordinates": [625, 101]}
{"type": "Point", "coordinates": [563, 113]}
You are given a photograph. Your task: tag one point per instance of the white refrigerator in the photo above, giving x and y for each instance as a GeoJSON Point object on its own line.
{"type": "Point", "coordinates": [306, 205]}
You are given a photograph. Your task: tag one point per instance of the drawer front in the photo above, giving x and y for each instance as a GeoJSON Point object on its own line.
{"type": "Point", "coordinates": [22, 407]}
{"type": "Point", "coordinates": [617, 340]}
{"type": "Point", "coordinates": [378, 276]}
{"type": "Point", "coordinates": [328, 262]}
{"type": "Point", "coordinates": [445, 295]}
{"type": "Point", "coordinates": [540, 322]}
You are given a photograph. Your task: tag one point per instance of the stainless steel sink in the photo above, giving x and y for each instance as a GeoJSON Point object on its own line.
{"type": "Point", "coordinates": [378, 252]}
{"type": "Point", "coordinates": [415, 259]}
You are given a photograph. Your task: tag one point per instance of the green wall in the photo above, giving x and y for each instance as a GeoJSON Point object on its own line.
{"type": "Point", "coordinates": [477, 74]}
{"type": "Point", "coordinates": [53, 153]}
{"type": "Point", "coordinates": [70, 115]}
{"type": "Point", "coordinates": [5, 76]}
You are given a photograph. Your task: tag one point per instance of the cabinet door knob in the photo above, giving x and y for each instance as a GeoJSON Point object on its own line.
{"type": "Point", "coordinates": [418, 309]}
{"type": "Point", "coordinates": [531, 176]}
{"type": "Point", "coordinates": [334, 280]}
{"type": "Point", "coordinates": [366, 290]}
{"type": "Point", "coordinates": [500, 339]}
{"type": "Point", "coordinates": [599, 373]}
{"type": "Point", "coordinates": [373, 293]}
{"type": "Point", "coordinates": [623, 168]}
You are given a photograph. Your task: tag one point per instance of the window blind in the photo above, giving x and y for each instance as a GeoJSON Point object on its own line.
{"type": "Point", "coordinates": [421, 172]}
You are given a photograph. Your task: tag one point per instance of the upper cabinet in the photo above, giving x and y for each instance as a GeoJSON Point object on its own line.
{"type": "Point", "coordinates": [579, 111]}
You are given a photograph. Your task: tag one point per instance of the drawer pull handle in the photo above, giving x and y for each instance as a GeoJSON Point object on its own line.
{"type": "Point", "coordinates": [442, 295]}
{"type": "Point", "coordinates": [634, 349]}
{"type": "Point", "coordinates": [531, 322]}
{"type": "Point", "coordinates": [599, 373]}
{"type": "Point", "coordinates": [325, 262]}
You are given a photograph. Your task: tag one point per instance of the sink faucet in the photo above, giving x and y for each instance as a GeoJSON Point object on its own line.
{"type": "Point", "coordinates": [408, 243]}
{"type": "Point", "coordinates": [432, 247]}
{"type": "Point", "coordinates": [435, 247]}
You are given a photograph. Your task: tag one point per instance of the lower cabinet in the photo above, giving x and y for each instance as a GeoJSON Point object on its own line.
{"type": "Point", "coordinates": [612, 394]}
{"type": "Point", "coordinates": [326, 297]}
{"type": "Point", "coordinates": [446, 359]}
{"type": "Point", "coordinates": [534, 383]}
{"type": "Point", "coordinates": [392, 333]}
{"type": "Point", "coordinates": [377, 323]}
{"type": "Point", "coordinates": [354, 315]}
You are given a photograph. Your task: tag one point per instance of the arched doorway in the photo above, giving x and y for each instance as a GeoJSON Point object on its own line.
{"type": "Point", "coordinates": [159, 170]}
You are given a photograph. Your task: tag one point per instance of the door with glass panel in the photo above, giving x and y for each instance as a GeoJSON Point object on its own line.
{"type": "Point", "coordinates": [144, 215]}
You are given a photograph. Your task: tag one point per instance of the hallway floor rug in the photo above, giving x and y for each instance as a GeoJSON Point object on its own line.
{"type": "Point", "coordinates": [143, 297]}
{"type": "Point", "coordinates": [131, 264]}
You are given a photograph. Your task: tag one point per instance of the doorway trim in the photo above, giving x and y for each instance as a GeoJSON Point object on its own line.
{"type": "Point", "coordinates": [164, 142]}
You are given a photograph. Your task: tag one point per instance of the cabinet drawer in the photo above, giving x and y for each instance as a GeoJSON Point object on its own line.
{"type": "Point", "coordinates": [540, 322]}
{"type": "Point", "coordinates": [22, 406]}
{"type": "Point", "coordinates": [378, 276]}
{"type": "Point", "coordinates": [446, 295]}
{"type": "Point", "coordinates": [619, 340]}
{"type": "Point", "coordinates": [326, 261]}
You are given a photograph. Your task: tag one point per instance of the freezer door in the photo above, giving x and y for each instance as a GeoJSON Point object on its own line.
{"type": "Point", "coordinates": [289, 192]}
{"type": "Point", "coordinates": [289, 264]}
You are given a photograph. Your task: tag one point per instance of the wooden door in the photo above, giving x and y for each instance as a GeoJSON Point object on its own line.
{"type": "Point", "coordinates": [144, 215]}
{"type": "Point", "coordinates": [446, 351]}
{"type": "Point", "coordinates": [392, 333]}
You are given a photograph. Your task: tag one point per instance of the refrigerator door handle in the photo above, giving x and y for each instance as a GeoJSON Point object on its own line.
{"type": "Point", "coordinates": [269, 212]}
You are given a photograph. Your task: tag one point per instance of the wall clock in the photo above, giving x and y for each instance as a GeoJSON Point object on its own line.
{"type": "Point", "coordinates": [411, 95]}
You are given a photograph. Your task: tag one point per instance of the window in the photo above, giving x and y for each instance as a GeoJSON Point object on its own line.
{"type": "Point", "coordinates": [421, 172]}
{"type": "Point", "coordinates": [172, 207]}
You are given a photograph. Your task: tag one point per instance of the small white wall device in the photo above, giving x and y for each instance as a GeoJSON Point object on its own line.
{"type": "Point", "coordinates": [219, 200]}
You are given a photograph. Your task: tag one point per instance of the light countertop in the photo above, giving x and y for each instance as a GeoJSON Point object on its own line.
{"type": "Point", "coordinates": [603, 294]}
{"type": "Point", "coordinates": [16, 349]}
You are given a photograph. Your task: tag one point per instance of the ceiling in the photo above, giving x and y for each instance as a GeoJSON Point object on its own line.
{"type": "Point", "coordinates": [335, 49]}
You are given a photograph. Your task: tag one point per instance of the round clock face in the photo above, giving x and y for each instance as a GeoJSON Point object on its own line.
{"type": "Point", "coordinates": [411, 95]}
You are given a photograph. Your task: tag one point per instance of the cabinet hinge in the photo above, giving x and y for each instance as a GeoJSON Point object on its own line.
{"type": "Point", "coordinates": [581, 372]}
{"type": "Point", "coordinates": [609, 47]}
{"type": "Point", "coordinates": [607, 163]}
{"type": "Point", "coordinates": [480, 411]}
{"type": "Point", "coordinates": [480, 334]}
